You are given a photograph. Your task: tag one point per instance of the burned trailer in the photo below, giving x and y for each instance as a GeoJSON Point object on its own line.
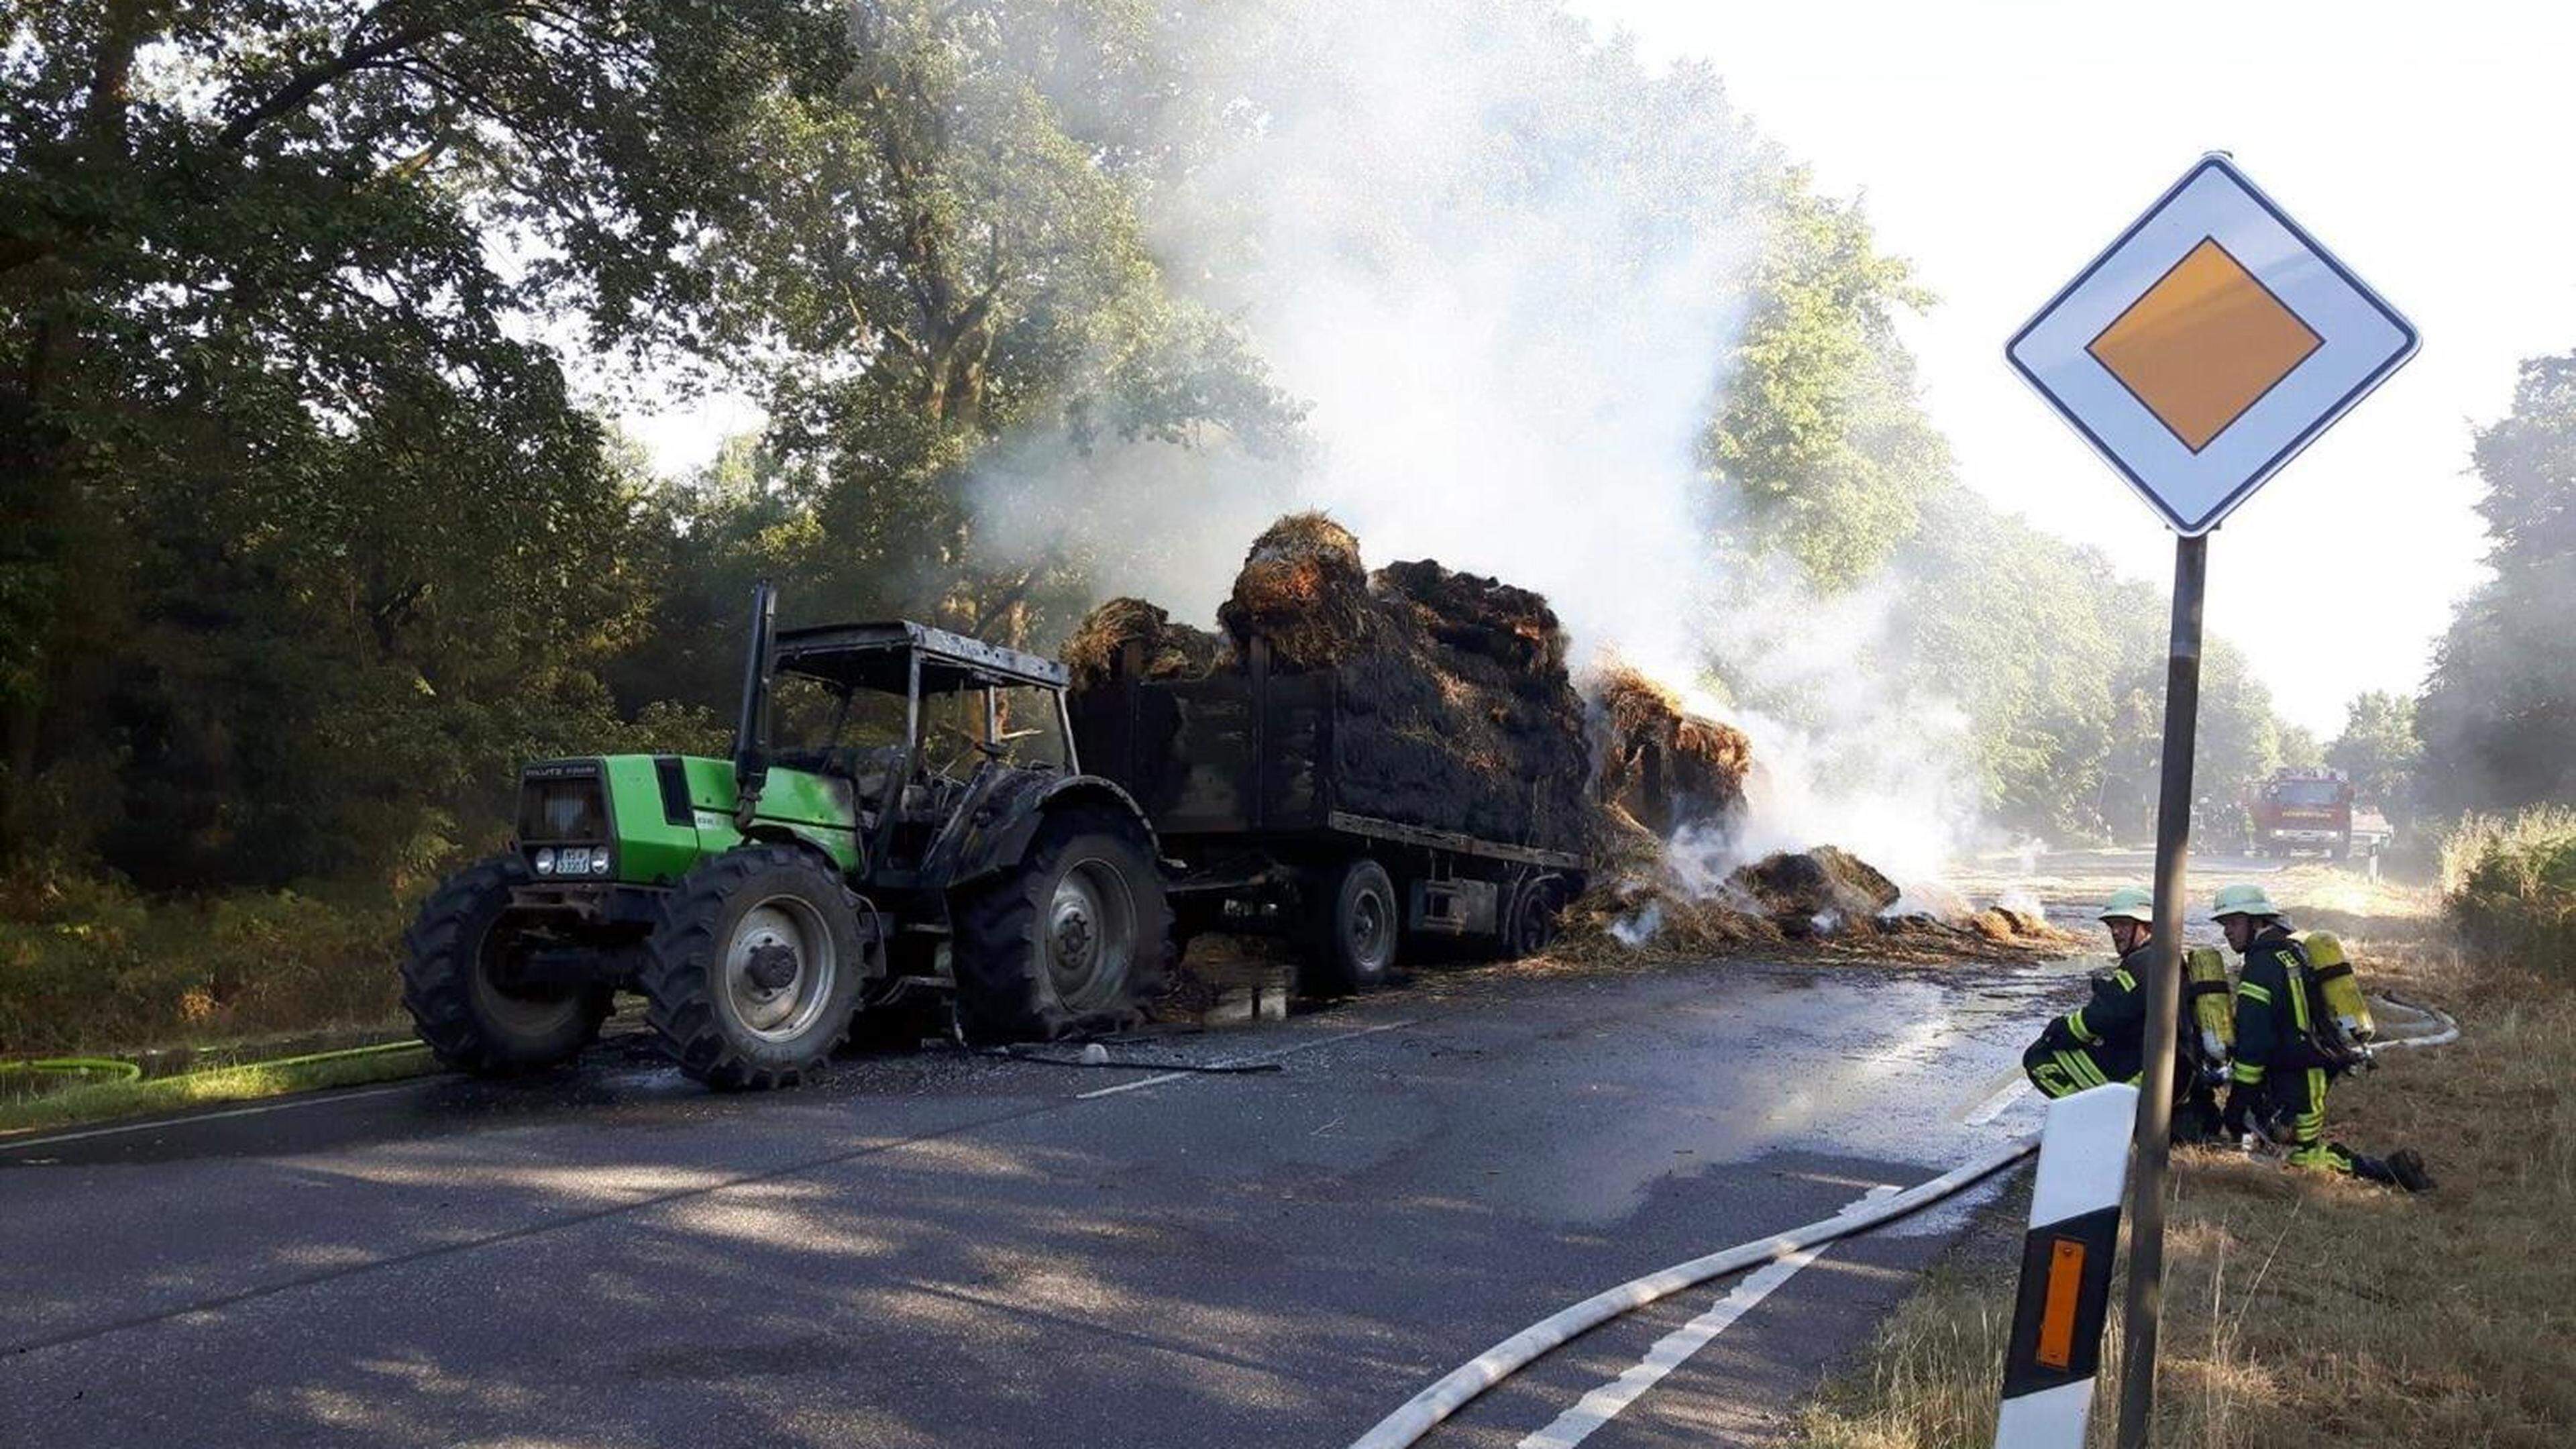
{"type": "Point", "coordinates": [1272, 793]}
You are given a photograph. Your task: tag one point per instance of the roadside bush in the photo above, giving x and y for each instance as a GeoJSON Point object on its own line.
{"type": "Point", "coordinates": [89, 964]}
{"type": "Point", "coordinates": [2509, 885]}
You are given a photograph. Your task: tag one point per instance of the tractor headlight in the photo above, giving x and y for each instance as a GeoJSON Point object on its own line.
{"type": "Point", "coordinates": [546, 860]}
{"type": "Point", "coordinates": [599, 860]}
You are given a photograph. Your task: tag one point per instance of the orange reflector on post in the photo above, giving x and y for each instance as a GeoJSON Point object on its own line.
{"type": "Point", "coordinates": [2057, 1321]}
{"type": "Point", "coordinates": [2065, 1288]}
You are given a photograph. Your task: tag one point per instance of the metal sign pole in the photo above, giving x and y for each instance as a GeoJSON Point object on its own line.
{"type": "Point", "coordinates": [2164, 1000]}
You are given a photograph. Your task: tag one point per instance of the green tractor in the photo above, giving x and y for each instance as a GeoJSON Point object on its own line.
{"type": "Point", "coordinates": [903, 816]}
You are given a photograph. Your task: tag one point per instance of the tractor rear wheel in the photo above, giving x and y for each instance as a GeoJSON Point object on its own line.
{"type": "Point", "coordinates": [1078, 934]}
{"type": "Point", "coordinates": [754, 972]}
{"type": "Point", "coordinates": [457, 981]}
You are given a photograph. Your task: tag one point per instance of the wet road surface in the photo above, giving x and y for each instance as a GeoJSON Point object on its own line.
{"type": "Point", "coordinates": [937, 1248]}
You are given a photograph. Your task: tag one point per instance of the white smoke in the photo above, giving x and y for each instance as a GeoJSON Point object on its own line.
{"type": "Point", "coordinates": [1853, 754]}
{"type": "Point", "coordinates": [1509, 309]}
{"type": "Point", "coordinates": [1509, 350]}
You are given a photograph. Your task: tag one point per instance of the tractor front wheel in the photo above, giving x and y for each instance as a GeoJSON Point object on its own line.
{"type": "Point", "coordinates": [459, 986]}
{"type": "Point", "coordinates": [753, 975]}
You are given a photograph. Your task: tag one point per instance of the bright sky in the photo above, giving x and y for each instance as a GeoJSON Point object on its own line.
{"type": "Point", "coordinates": [2000, 144]}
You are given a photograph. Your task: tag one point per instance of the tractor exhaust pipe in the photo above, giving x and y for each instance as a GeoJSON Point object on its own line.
{"type": "Point", "coordinates": [750, 751]}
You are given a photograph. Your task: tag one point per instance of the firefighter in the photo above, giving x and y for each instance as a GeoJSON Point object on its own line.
{"type": "Point", "coordinates": [2283, 1060]}
{"type": "Point", "coordinates": [2103, 1040]}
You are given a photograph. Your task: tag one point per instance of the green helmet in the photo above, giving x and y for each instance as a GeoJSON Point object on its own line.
{"type": "Point", "coordinates": [2130, 903]}
{"type": "Point", "coordinates": [2243, 900]}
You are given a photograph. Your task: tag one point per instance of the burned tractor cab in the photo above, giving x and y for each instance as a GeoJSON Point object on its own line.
{"type": "Point", "coordinates": [903, 812]}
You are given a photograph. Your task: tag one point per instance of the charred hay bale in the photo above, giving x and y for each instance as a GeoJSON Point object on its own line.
{"type": "Point", "coordinates": [1498, 765]}
{"type": "Point", "coordinates": [1454, 711]}
{"type": "Point", "coordinates": [1667, 768]}
{"type": "Point", "coordinates": [1478, 616]}
{"type": "Point", "coordinates": [1303, 588]}
{"type": "Point", "coordinates": [1172, 651]}
{"type": "Point", "coordinates": [1810, 892]}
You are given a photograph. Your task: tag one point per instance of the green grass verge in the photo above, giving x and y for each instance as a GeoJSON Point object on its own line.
{"type": "Point", "coordinates": [112, 1100]}
{"type": "Point", "coordinates": [92, 967]}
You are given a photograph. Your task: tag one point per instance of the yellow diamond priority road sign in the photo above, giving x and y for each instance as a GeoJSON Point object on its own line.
{"type": "Point", "coordinates": [2208, 345]}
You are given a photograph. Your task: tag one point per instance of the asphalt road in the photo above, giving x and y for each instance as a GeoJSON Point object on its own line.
{"type": "Point", "coordinates": [935, 1248]}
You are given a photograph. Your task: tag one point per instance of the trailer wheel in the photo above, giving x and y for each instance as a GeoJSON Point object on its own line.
{"type": "Point", "coordinates": [1078, 934]}
{"type": "Point", "coordinates": [753, 975]}
{"type": "Point", "coordinates": [1356, 929]}
{"type": "Point", "coordinates": [1533, 921]}
{"type": "Point", "coordinates": [455, 978]}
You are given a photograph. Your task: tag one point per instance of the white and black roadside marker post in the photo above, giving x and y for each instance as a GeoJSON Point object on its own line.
{"type": "Point", "coordinates": [2056, 1345]}
{"type": "Point", "coordinates": [2197, 354]}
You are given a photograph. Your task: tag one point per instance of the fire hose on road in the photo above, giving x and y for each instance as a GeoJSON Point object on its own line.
{"type": "Point", "coordinates": [1425, 1410]}
{"type": "Point", "coordinates": [1453, 1391]}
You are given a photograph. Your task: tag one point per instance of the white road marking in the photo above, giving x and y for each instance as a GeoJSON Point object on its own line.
{"type": "Point", "coordinates": [1287, 1051]}
{"type": "Point", "coordinates": [11, 1146]}
{"type": "Point", "coordinates": [20, 1144]}
{"type": "Point", "coordinates": [1993, 1107]}
{"type": "Point", "coordinates": [1674, 1349]}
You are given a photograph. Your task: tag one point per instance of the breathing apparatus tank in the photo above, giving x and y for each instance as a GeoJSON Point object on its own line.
{"type": "Point", "coordinates": [2346, 1021]}
{"type": "Point", "coordinates": [2213, 1011]}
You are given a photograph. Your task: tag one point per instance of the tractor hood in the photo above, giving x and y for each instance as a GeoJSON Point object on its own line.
{"type": "Point", "coordinates": [655, 815]}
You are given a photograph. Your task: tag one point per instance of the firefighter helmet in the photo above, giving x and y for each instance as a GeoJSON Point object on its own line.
{"type": "Point", "coordinates": [2243, 900]}
{"type": "Point", "coordinates": [2130, 903]}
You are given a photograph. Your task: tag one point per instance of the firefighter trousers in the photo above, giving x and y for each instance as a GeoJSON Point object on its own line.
{"type": "Point", "coordinates": [2295, 1103]}
{"type": "Point", "coordinates": [2062, 1071]}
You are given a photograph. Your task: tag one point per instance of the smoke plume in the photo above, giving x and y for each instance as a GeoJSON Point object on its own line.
{"type": "Point", "coordinates": [1505, 267]}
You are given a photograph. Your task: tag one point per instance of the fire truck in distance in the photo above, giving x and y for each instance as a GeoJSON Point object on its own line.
{"type": "Point", "coordinates": [2298, 810]}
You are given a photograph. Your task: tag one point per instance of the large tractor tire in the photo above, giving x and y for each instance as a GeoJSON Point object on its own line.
{"type": "Point", "coordinates": [1071, 939]}
{"type": "Point", "coordinates": [457, 986]}
{"type": "Point", "coordinates": [1357, 924]}
{"type": "Point", "coordinates": [755, 970]}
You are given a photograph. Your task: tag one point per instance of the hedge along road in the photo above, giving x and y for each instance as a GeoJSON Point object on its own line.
{"type": "Point", "coordinates": [940, 1249]}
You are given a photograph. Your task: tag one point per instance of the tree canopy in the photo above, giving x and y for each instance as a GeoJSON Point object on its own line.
{"type": "Point", "coordinates": [310, 525]}
{"type": "Point", "coordinates": [2500, 707]}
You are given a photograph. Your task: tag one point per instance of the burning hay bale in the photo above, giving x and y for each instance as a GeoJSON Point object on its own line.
{"type": "Point", "coordinates": [1304, 589]}
{"type": "Point", "coordinates": [1169, 650]}
{"type": "Point", "coordinates": [1816, 892]}
{"type": "Point", "coordinates": [1663, 766]}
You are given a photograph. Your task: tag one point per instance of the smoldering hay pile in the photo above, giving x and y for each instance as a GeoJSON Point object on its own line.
{"type": "Point", "coordinates": [1670, 788]}
{"type": "Point", "coordinates": [1460, 713]}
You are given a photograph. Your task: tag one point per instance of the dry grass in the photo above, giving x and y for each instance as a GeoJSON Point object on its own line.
{"type": "Point", "coordinates": [2303, 1311]}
